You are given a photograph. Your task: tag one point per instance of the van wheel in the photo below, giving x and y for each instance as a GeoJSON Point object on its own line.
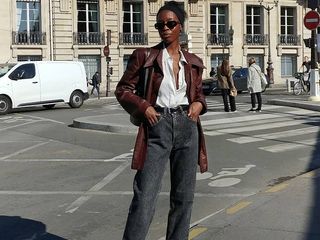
{"type": "Point", "coordinates": [76, 99]}
{"type": "Point", "coordinates": [5, 105]}
{"type": "Point", "coordinates": [49, 106]}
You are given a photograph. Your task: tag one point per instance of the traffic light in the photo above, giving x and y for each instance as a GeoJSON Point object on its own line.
{"type": "Point", "coordinates": [308, 42]}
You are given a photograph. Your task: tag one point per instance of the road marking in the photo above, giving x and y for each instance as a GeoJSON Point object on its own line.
{"type": "Point", "coordinates": [41, 118]}
{"type": "Point", "coordinates": [23, 150]}
{"type": "Point", "coordinates": [61, 160]}
{"type": "Point", "coordinates": [83, 199]}
{"type": "Point", "coordinates": [277, 188]}
{"type": "Point", "coordinates": [196, 232]}
{"type": "Point", "coordinates": [259, 127]}
{"type": "Point", "coordinates": [236, 208]}
{"type": "Point", "coordinates": [276, 135]}
{"type": "Point", "coordinates": [293, 145]}
{"type": "Point", "coordinates": [200, 220]}
{"type": "Point", "coordinates": [18, 125]}
{"type": "Point", "coordinates": [120, 193]}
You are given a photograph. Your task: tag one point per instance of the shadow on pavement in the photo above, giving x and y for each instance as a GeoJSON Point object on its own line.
{"type": "Point", "coordinates": [17, 228]}
{"type": "Point", "coordinates": [313, 224]}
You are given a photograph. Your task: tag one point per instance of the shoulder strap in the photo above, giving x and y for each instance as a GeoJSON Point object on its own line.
{"type": "Point", "coordinates": [257, 71]}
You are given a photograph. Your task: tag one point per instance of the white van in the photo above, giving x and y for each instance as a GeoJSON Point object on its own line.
{"type": "Point", "coordinates": [43, 83]}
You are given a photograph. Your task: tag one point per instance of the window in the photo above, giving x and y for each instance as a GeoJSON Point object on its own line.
{"type": "Point", "coordinates": [28, 22]}
{"type": "Point", "coordinates": [287, 20]}
{"type": "Point", "coordinates": [91, 64]}
{"type": "Point", "coordinates": [25, 71]}
{"type": "Point", "coordinates": [253, 20]}
{"type": "Point", "coordinates": [259, 60]}
{"type": "Point", "coordinates": [218, 19]}
{"type": "Point", "coordinates": [216, 59]}
{"type": "Point", "coordinates": [132, 17]}
{"type": "Point", "coordinates": [22, 58]}
{"type": "Point", "coordinates": [88, 23]}
{"type": "Point", "coordinates": [88, 16]}
{"type": "Point", "coordinates": [125, 61]}
{"type": "Point", "coordinates": [288, 65]}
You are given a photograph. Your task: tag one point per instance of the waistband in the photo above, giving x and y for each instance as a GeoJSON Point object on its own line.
{"type": "Point", "coordinates": [180, 108]}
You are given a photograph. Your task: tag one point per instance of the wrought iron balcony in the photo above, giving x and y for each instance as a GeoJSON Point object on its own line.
{"type": "Point", "coordinates": [256, 39]}
{"type": "Point", "coordinates": [28, 38]}
{"type": "Point", "coordinates": [88, 38]}
{"type": "Point", "coordinates": [183, 38]}
{"type": "Point", "coordinates": [219, 39]}
{"type": "Point", "coordinates": [133, 38]}
{"type": "Point", "coordinates": [289, 39]}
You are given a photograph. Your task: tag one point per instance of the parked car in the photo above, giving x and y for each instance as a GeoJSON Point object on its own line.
{"type": "Point", "coordinates": [239, 75]}
{"type": "Point", "coordinates": [43, 83]}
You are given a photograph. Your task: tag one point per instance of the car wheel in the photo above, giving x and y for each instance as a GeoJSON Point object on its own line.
{"type": "Point", "coordinates": [76, 99]}
{"type": "Point", "coordinates": [5, 105]}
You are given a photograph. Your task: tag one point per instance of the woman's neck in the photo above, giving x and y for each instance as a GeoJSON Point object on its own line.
{"type": "Point", "coordinates": [173, 48]}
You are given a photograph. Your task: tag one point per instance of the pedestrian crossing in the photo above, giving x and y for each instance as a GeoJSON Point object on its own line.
{"type": "Point", "coordinates": [276, 128]}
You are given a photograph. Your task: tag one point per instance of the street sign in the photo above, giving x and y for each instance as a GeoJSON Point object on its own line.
{"type": "Point", "coordinates": [311, 20]}
{"type": "Point", "coordinates": [106, 51]}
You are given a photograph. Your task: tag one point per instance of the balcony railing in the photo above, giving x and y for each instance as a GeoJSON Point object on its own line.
{"type": "Point", "coordinates": [28, 38]}
{"type": "Point", "coordinates": [289, 39]}
{"type": "Point", "coordinates": [219, 39]}
{"type": "Point", "coordinates": [88, 38]}
{"type": "Point", "coordinates": [256, 39]}
{"type": "Point", "coordinates": [133, 38]}
{"type": "Point", "coordinates": [183, 38]}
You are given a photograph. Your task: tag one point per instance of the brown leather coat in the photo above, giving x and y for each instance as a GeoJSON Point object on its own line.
{"type": "Point", "coordinates": [136, 106]}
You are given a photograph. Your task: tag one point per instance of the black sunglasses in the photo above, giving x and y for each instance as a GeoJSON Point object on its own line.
{"type": "Point", "coordinates": [170, 24]}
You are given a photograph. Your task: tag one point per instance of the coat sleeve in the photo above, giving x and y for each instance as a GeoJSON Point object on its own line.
{"type": "Point", "coordinates": [124, 92]}
{"type": "Point", "coordinates": [199, 93]}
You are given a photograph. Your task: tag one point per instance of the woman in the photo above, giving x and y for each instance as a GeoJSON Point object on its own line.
{"type": "Point", "coordinates": [171, 128]}
{"type": "Point", "coordinates": [254, 85]}
{"type": "Point", "coordinates": [226, 85]}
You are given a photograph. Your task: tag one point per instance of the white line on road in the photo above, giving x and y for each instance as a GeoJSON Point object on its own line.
{"type": "Point", "coordinates": [81, 200]}
{"type": "Point", "coordinates": [62, 160]}
{"type": "Point", "coordinates": [290, 146]}
{"type": "Point", "coordinates": [41, 118]}
{"type": "Point", "coordinates": [18, 125]}
{"type": "Point", "coordinates": [276, 135]}
{"type": "Point", "coordinates": [23, 150]}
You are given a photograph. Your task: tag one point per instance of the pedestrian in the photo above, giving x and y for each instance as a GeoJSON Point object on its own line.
{"type": "Point", "coordinates": [254, 85]}
{"type": "Point", "coordinates": [96, 80]}
{"type": "Point", "coordinates": [306, 64]}
{"type": "Point", "coordinates": [171, 130]}
{"type": "Point", "coordinates": [212, 72]}
{"type": "Point", "coordinates": [226, 85]}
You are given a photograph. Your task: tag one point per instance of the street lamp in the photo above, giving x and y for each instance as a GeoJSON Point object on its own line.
{"type": "Point", "coordinates": [269, 68]}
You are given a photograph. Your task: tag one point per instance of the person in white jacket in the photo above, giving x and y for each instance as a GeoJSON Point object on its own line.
{"type": "Point", "coordinates": [254, 85]}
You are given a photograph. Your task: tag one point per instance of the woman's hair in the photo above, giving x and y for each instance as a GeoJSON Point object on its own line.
{"type": "Point", "coordinates": [225, 67]}
{"type": "Point", "coordinates": [173, 6]}
{"type": "Point", "coordinates": [252, 60]}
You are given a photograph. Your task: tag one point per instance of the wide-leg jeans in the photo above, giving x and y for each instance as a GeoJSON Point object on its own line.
{"type": "Point", "coordinates": [174, 138]}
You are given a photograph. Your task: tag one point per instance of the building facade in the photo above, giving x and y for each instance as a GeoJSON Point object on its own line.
{"type": "Point", "coordinates": [80, 30]}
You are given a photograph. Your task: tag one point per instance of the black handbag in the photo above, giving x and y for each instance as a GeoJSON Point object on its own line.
{"type": "Point", "coordinates": [140, 90]}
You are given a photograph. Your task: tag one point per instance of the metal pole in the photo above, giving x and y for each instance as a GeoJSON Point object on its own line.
{"type": "Point", "coordinates": [269, 68]}
{"type": "Point", "coordinates": [314, 72]}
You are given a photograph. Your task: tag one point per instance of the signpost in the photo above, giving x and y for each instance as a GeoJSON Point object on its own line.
{"type": "Point", "coordinates": [311, 21]}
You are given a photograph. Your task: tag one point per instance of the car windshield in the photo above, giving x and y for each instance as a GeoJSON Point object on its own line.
{"type": "Point", "coordinates": [5, 68]}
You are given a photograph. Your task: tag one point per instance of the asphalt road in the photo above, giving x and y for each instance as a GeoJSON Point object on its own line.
{"type": "Point", "coordinates": [69, 183]}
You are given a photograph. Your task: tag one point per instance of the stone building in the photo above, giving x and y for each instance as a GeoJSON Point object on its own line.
{"type": "Point", "coordinates": [79, 30]}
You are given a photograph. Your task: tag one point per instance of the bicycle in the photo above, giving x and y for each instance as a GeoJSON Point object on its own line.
{"type": "Point", "coordinates": [303, 85]}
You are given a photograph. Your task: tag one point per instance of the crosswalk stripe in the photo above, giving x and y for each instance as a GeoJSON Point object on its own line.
{"type": "Point", "coordinates": [290, 146]}
{"type": "Point", "coordinates": [276, 135]}
{"type": "Point", "coordinates": [260, 127]}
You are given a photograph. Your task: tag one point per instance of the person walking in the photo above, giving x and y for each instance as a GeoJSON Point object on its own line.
{"type": "Point", "coordinates": [254, 85]}
{"type": "Point", "coordinates": [171, 129]}
{"type": "Point", "coordinates": [226, 85]}
{"type": "Point", "coordinates": [96, 80]}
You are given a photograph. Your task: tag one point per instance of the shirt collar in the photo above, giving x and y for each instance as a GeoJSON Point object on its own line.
{"type": "Point", "coordinates": [166, 55]}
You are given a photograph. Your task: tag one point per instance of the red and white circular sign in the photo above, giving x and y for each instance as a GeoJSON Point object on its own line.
{"type": "Point", "coordinates": [311, 20]}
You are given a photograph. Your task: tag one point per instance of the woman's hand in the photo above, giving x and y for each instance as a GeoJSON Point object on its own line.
{"type": "Point", "coordinates": [195, 110]}
{"type": "Point", "coordinates": [151, 115]}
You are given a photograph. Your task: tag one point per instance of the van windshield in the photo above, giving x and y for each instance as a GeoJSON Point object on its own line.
{"type": "Point", "coordinates": [5, 68]}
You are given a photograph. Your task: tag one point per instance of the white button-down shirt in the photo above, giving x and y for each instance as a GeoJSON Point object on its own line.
{"type": "Point", "coordinates": [169, 96]}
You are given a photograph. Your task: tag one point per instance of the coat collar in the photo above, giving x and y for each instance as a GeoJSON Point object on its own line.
{"type": "Point", "coordinates": [156, 54]}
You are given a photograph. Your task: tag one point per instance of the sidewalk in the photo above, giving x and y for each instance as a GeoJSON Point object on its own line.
{"type": "Point", "coordinates": [289, 210]}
